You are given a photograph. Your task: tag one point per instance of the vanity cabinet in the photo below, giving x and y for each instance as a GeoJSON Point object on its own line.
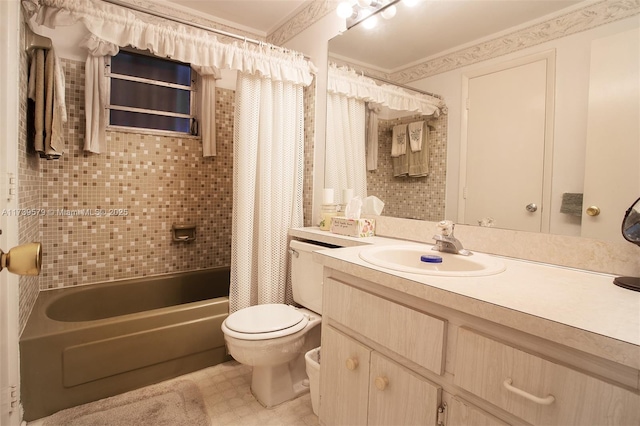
{"type": "Point", "coordinates": [389, 358]}
{"type": "Point", "coordinates": [362, 387]}
{"type": "Point", "coordinates": [537, 390]}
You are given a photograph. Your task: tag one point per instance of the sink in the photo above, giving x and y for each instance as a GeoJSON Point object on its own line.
{"type": "Point", "coordinates": [406, 258]}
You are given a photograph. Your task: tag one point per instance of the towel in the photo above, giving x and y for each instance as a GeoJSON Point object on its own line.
{"type": "Point", "coordinates": [46, 89]}
{"type": "Point", "coordinates": [571, 204]}
{"type": "Point", "coordinates": [413, 164]}
{"type": "Point", "coordinates": [399, 140]}
{"type": "Point", "coordinates": [415, 135]}
{"type": "Point", "coordinates": [419, 160]}
{"type": "Point", "coordinates": [400, 165]}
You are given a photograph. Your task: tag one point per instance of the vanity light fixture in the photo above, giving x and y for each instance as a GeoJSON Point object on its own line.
{"type": "Point", "coordinates": [355, 11]}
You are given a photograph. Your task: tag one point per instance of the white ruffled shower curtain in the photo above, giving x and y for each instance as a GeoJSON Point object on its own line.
{"type": "Point", "coordinates": [268, 134]}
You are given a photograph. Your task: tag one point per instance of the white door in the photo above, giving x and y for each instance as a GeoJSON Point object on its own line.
{"type": "Point", "coordinates": [9, 364]}
{"type": "Point", "coordinates": [505, 175]}
{"type": "Point", "coordinates": [612, 133]}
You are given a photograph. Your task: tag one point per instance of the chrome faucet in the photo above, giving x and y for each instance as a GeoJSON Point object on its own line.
{"type": "Point", "coordinates": [446, 242]}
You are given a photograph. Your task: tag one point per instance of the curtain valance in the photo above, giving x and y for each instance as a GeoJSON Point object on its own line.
{"type": "Point", "coordinates": [347, 82]}
{"type": "Point", "coordinates": [122, 27]}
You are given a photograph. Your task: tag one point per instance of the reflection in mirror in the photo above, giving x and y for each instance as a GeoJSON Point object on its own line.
{"type": "Point", "coordinates": [589, 126]}
{"type": "Point", "coordinates": [631, 233]}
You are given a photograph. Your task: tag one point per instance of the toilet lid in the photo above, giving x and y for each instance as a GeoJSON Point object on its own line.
{"type": "Point", "coordinates": [264, 318]}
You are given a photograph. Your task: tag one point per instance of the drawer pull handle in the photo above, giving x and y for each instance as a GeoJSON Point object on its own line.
{"type": "Point", "coordinates": [381, 383]}
{"type": "Point", "coordinates": [548, 400]}
{"type": "Point", "coordinates": [352, 363]}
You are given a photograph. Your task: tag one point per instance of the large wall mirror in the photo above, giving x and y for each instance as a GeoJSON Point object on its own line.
{"type": "Point", "coordinates": [540, 130]}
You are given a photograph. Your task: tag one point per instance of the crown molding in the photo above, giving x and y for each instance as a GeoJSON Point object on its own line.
{"type": "Point", "coordinates": [315, 11]}
{"type": "Point", "coordinates": [586, 18]}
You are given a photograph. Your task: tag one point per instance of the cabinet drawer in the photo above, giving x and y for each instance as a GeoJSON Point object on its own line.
{"type": "Point", "coordinates": [407, 332]}
{"type": "Point", "coordinates": [537, 390]}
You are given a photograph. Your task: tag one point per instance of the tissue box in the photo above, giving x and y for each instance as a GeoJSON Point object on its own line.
{"type": "Point", "coordinates": [353, 227]}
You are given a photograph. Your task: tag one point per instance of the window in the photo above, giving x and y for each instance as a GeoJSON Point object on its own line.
{"type": "Point", "coordinates": [148, 92]}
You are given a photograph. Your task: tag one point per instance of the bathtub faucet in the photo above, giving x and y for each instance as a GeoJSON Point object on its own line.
{"type": "Point", "coordinates": [446, 242]}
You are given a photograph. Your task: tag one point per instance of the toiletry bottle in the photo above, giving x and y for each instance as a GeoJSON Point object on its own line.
{"type": "Point", "coordinates": [327, 211]}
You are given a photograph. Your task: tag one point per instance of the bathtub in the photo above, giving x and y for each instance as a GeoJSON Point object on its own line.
{"type": "Point", "coordinates": [85, 343]}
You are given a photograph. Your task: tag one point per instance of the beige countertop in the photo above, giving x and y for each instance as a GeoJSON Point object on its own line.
{"type": "Point", "coordinates": [579, 309]}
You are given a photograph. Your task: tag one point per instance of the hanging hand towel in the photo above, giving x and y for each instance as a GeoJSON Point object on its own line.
{"type": "Point", "coordinates": [399, 140]}
{"type": "Point", "coordinates": [419, 160]}
{"type": "Point", "coordinates": [415, 135]}
{"type": "Point", "coordinates": [46, 89]}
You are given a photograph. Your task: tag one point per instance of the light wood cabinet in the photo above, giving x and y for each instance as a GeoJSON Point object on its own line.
{"type": "Point", "coordinates": [359, 386]}
{"type": "Point", "coordinates": [537, 390]}
{"type": "Point", "coordinates": [461, 413]}
{"type": "Point", "coordinates": [393, 359]}
{"type": "Point", "coordinates": [344, 379]}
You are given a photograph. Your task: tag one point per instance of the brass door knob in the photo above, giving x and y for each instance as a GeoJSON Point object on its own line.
{"type": "Point", "coordinates": [593, 210]}
{"type": "Point", "coordinates": [25, 259]}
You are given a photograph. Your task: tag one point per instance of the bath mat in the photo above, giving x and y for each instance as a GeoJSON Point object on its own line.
{"type": "Point", "coordinates": [171, 404]}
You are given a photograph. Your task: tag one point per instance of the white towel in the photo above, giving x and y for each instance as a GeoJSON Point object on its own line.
{"type": "Point", "coordinates": [415, 135]}
{"type": "Point", "coordinates": [399, 140]}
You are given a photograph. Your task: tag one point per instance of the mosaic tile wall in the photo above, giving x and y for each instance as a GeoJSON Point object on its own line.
{"type": "Point", "coordinates": [28, 192]}
{"type": "Point", "coordinates": [112, 213]}
{"type": "Point", "coordinates": [409, 197]}
{"type": "Point", "coordinates": [309, 139]}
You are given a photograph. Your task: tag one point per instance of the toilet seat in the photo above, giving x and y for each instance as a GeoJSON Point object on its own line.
{"type": "Point", "coordinates": [261, 322]}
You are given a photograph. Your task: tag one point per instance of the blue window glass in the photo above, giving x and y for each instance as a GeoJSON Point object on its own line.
{"type": "Point", "coordinates": [142, 93]}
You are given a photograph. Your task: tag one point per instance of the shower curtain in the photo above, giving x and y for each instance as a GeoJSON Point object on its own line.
{"type": "Point", "coordinates": [268, 172]}
{"type": "Point", "coordinates": [345, 145]}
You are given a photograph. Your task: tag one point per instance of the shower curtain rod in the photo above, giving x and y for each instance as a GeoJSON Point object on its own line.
{"type": "Point", "coordinates": [400, 85]}
{"type": "Point", "coordinates": [185, 22]}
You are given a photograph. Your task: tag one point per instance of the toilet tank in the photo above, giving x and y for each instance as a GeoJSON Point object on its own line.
{"type": "Point", "coordinates": [306, 275]}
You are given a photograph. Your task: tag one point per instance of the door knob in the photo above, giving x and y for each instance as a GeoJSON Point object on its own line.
{"type": "Point", "coordinates": [25, 259]}
{"type": "Point", "coordinates": [593, 210]}
{"type": "Point", "coordinates": [532, 207]}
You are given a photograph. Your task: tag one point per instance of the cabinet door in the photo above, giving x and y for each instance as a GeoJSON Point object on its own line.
{"type": "Point", "coordinates": [398, 396]}
{"type": "Point", "coordinates": [461, 413]}
{"type": "Point", "coordinates": [344, 379]}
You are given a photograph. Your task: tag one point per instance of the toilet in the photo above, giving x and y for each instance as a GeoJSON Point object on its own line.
{"type": "Point", "coordinates": [273, 338]}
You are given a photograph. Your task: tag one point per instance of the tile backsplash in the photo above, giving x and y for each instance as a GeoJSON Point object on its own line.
{"type": "Point", "coordinates": [109, 216]}
{"type": "Point", "coordinates": [411, 197]}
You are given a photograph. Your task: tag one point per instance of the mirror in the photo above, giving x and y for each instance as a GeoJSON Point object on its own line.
{"type": "Point", "coordinates": [631, 233]}
{"type": "Point", "coordinates": [440, 47]}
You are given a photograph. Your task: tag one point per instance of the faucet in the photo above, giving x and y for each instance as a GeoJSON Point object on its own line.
{"type": "Point", "coordinates": [446, 242]}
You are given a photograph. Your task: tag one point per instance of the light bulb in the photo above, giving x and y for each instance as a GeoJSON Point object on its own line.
{"type": "Point", "coordinates": [370, 22]}
{"type": "Point", "coordinates": [344, 10]}
{"type": "Point", "coordinates": [389, 12]}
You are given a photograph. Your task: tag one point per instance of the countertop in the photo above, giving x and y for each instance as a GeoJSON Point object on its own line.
{"type": "Point", "coordinates": [579, 309]}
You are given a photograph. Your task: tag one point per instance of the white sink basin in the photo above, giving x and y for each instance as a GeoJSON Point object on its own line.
{"type": "Point", "coordinates": [406, 258]}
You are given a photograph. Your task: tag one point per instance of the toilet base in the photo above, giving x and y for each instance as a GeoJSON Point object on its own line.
{"type": "Point", "coordinates": [272, 386]}
{"type": "Point", "coordinates": [276, 384]}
